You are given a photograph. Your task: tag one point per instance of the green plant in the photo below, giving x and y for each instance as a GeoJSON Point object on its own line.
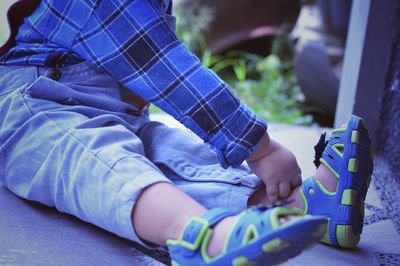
{"type": "Point", "coordinates": [192, 21]}
{"type": "Point", "coordinates": [267, 84]}
{"type": "Point", "coordinates": [273, 95]}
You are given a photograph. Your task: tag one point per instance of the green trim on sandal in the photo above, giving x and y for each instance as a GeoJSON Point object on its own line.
{"type": "Point", "coordinates": [253, 239]}
{"type": "Point", "coordinates": [347, 156]}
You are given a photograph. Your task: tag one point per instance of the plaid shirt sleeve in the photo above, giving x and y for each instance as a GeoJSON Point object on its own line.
{"type": "Point", "coordinates": [132, 41]}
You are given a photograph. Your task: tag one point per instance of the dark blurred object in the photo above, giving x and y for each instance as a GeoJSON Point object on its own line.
{"type": "Point", "coordinates": [336, 15]}
{"type": "Point", "coordinates": [316, 77]}
{"type": "Point", "coordinates": [321, 35]}
{"type": "Point", "coordinates": [246, 24]}
{"type": "Point", "coordinates": [15, 16]}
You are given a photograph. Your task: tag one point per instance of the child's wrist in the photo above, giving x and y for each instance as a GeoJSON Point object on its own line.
{"type": "Point", "coordinates": [262, 149]}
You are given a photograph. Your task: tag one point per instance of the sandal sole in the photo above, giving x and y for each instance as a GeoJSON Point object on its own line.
{"type": "Point", "coordinates": [347, 226]}
{"type": "Point", "coordinates": [284, 244]}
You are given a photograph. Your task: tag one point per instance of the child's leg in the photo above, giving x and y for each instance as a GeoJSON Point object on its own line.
{"type": "Point", "coordinates": [82, 160]}
{"type": "Point", "coordinates": [173, 152]}
{"type": "Point", "coordinates": [163, 210]}
{"type": "Point", "coordinates": [88, 161]}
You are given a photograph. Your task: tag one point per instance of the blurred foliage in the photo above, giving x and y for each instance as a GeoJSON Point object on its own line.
{"type": "Point", "coordinates": [266, 84]}
{"type": "Point", "coordinates": [192, 21]}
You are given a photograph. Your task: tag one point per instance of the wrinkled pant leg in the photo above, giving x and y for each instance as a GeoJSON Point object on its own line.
{"type": "Point", "coordinates": [194, 168]}
{"type": "Point", "coordinates": [91, 167]}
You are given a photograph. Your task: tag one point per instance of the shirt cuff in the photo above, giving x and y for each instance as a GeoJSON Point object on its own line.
{"type": "Point", "coordinates": [238, 138]}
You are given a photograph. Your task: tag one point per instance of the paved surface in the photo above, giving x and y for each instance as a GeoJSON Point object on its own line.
{"type": "Point", "coordinates": [31, 234]}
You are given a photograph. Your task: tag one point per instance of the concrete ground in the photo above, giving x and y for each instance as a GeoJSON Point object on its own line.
{"type": "Point", "coordinates": [31, 234]}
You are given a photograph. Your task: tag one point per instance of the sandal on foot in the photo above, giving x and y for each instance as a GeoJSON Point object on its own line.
{"type": "Point", "coordinates": [348, 156]}
{"type": "Point", "coordinates": [257, 238]}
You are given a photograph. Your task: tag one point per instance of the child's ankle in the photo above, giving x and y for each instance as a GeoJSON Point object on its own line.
{"type": "Point", "coordinates": [220, 234]}
{"type": "Point", "coordinates": [327, 178]}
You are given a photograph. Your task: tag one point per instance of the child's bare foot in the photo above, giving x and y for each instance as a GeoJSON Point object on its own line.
{"type": "Point", "coordinates": [220, 233]}
{"type": "Point", "coordinates": [327, 178]}
{"type": "Point", "coordinates": [323, 175]}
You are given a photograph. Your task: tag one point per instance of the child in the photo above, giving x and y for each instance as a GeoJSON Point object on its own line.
{"type": "Point", "coordinates": [72, 138]}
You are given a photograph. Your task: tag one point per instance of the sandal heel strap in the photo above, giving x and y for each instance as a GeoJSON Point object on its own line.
{"type": "Point", "coordinates": [317, 200]}
{"type": "Point", "coordinates": [213, 216]}
{"type": "Point", "coordinates": [331, 159]}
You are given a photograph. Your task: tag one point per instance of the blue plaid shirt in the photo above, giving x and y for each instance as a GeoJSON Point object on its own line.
{"type": "Point", "coordinates": [134, 42]}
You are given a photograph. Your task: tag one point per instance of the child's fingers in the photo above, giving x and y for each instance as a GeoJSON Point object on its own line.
{"type": "Point", "coordinates": [272, 192]}
{"type": "Point", "coordinates": [295, 181]}
{"type": "Point", "coordinates": [284, 189]}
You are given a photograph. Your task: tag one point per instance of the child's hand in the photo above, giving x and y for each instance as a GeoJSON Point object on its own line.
{"type": "Point", "coordinates": [277, 167]}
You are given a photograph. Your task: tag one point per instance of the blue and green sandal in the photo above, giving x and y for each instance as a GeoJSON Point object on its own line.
{"type": "Point", "coordinates": [348, 156]}
{"type": "Point", "coordinates": [256, 239]}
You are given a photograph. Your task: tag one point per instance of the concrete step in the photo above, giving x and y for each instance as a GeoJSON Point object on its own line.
{"type": "Point", "coordinates": [32, 234]}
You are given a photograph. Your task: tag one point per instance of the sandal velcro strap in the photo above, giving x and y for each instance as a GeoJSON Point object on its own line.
{"type": "Point", "coordinates": [197, 227]}
{"type": "Point", "coordinates": [332, 157]}
{"type": "Point", "coordinates": [194, 233]}
{"type": "Point", "coordinates": [215, 215]}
